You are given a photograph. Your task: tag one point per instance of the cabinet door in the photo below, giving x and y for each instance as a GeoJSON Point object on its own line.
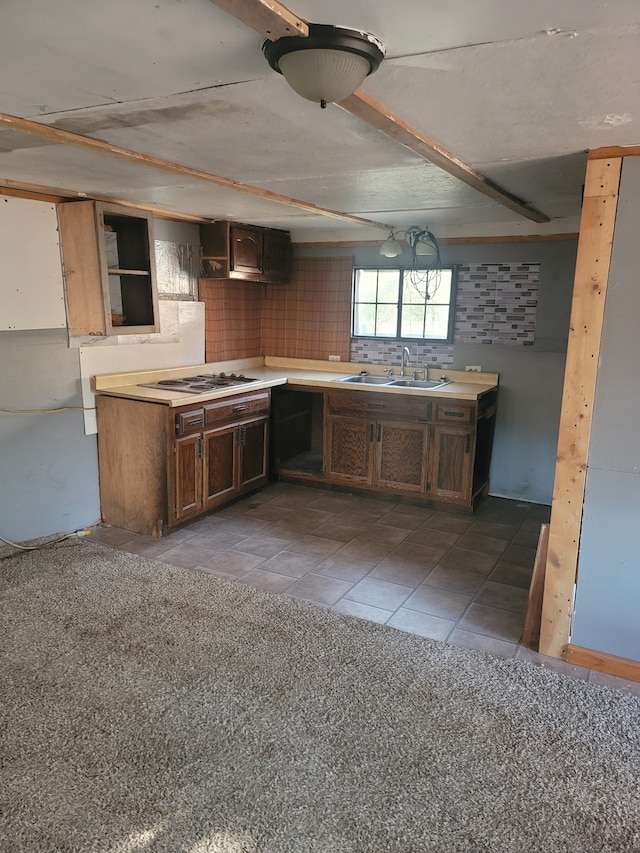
{"type": "Point", "coordinates": [451, 467]}
{"type": "Point", "coordinates": [246, 252]}
{"type": "Point", "coordinates": [188, 476]}
{"type": "Point", "coordinates": [109, 268]}
{"type": "Point", "coordinates": [219, 466]}
{"type": "Point", "coordinates": [402, 456]}
{"type": "Point", "coordinates": [349, 446]}
{"type": "Point", "coordinates": [276, 259]}
{"type": "Point", "coordinates": [252, 439]}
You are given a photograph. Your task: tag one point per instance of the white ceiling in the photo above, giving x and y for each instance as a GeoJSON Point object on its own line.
{"type": "Point", "coordinates": [517, 89]}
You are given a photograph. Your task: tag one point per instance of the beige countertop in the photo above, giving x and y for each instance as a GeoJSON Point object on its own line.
{"type": "Point", "coordinates": [271, 371]}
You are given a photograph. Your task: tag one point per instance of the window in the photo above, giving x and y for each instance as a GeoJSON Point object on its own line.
{"type": "Point", "coordinates": [404, 303]}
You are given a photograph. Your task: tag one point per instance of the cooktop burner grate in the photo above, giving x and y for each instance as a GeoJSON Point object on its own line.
{"type": "Point", "coordinates": [201, 383]}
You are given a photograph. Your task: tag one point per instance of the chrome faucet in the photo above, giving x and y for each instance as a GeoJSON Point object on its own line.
{"type": "Point", "coordinates": [406, 360]}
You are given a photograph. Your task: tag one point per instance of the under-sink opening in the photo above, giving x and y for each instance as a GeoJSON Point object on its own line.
{"type": "Point", "coordinates": [297, 431]}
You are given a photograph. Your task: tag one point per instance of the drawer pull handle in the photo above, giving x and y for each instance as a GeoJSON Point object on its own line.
{"type": "Point", "coordinates": [375, 406]}
{"type": "Point", "coordinates": [239, 408]}
{"type": "Point", "coordinates": [453, 414]}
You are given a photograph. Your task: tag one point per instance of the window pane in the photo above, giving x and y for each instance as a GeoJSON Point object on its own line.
{"type": "Point", "coordinates": [412, 321]}
{"type": "Point", "coordinates": [387, 325]}
{"type": "Point", "coordinates": [437, 323]}
{"type": "Point", "coordinates": [413, 291]}
{"type": "Point", "coordinates": [388, 285]}
{"type": "Point", "coordinates": [366, 283]}
{"type": "Point", "coordinates": [383, 296]}
{"type": "Point", "coordinates": [364, 320]}
{"type": "Point", "coordinates": [440, 287]}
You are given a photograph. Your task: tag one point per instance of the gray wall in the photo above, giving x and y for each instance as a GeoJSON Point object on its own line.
{"type": "Point", "coordinates": [531, 378]}
{"type": "Point", "coordinates": [48, 466]}
{"type": "Point", "coordinates": [608, 588]}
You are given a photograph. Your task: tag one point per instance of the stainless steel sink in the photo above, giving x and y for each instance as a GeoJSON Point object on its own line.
{"type": "Point", "coordinates": [417, 383]}
{"type": "Point", "coordinates": [364, 379]}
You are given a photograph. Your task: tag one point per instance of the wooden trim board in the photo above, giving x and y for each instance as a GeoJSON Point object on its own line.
{"type": "Point", "coordinates": [443, 241]}
{"type": "Point", "coordinates": [376, 115]}
{"type": "Point", "coordinates": [613, 151]}
{"type": "Point", "coordinates": [268, 17]}
{"type": "Point", "coordinates": [45, 131]}
{"type": "Point", "coordinates": [612, 665]}
{"type": "Point", "coordinates": [531, 633]}
{"type": "Point", "coordinates": [585, 330]}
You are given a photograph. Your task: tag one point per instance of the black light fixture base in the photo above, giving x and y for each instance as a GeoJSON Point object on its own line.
{"type": "Point", "coordinates": [326, 37]}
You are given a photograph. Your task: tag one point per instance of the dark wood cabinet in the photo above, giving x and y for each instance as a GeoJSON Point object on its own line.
{"type": "Point", "coordinates": [388, 454]}
{"type": "Point", "coordinates": [426, 449]}
{"type": "Point", "coordinates": [349, 449]}
{"type": "Point", "coordinates": [403, 453]}
{"type": "Point", "coordinates": [225, 456]}
{"type": "Point", "coordinates": [246, 252]}
{"type": "Point", "coordinates": [160, 467]}
{"type": "Point", "coordinates": [451, 463]}
{"type": "Point", "coordinates": [109, 269]}
{"type": "Point", "coordinates": [378, 441]}
{"type": "Point", "coordinates": [188, 479]}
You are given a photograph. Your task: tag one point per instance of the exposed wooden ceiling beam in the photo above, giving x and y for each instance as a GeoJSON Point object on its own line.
{"type": "Point", "coordinates": [376, 115]}
{"type": "Point", "coordinates": [55, 195]}
{"type": "Point", "coordinates": [65, 137]}
{"type": "Point", "coordinates": [443, 241]}
{"type": "Point", "coordinates": [268, 17]}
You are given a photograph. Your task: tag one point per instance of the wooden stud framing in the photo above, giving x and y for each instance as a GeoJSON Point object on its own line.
{"type": "Point", "coordinates": [54, 134]}
{"type": "Point", "coordinates": [587, 311]}
{"type": "Point", "coordinates": [268, 17]}
{"type": "Point", "coordinates": [376, 115]}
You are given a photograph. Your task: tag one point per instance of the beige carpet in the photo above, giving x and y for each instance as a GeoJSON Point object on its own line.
{"type": "Point", "coordinates": [147, 708]}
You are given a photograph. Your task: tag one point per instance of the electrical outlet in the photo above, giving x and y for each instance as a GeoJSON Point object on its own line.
{"type": "Point", "coordinates": [473, 368]}
{"type": "Point", "coordinates": [334, 358]}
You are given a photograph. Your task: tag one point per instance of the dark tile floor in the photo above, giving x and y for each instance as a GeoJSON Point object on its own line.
{"type": "Point", "coordinates": [463, 580]}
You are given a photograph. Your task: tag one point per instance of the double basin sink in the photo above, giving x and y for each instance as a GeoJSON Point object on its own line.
{"type": "Point", "coordinates": [388, 382]}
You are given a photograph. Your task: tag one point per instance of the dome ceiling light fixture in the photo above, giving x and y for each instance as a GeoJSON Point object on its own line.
{"type": "Point", "coordinates": [328, 65]}
{"type": "Point", "coordinates": [424, 260]}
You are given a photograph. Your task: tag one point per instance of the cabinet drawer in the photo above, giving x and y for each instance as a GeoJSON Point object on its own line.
{"type": "Point", "coordinates": [454, 412]}
{"type": "Point", "coordinates": [379, 406]}
{"type": "Point", "coordinates": [233, 408]}
{"type": "Point", "coordinates": [191, 421]}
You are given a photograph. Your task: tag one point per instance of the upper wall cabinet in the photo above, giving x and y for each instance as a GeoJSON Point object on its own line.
{"type": "Point", "coordinates": [109, 269]}
{"type": "Point", "coordinates": [245, 252]}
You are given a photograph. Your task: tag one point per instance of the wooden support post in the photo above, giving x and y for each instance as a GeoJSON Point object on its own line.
{"type": "Point", "coordinates": [587, 311]}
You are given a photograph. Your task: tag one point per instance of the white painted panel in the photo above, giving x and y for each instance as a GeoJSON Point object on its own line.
{"type": "Point", "coordinates": [180, 343]}
{"type": "Point", "coordinates": [31, 287]}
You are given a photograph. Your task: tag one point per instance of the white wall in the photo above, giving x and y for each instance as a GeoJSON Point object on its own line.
{"type": "Point", "coordinates": [48, 465]}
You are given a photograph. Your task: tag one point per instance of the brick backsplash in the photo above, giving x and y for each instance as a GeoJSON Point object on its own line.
{"type": "Point", "coordinates": [495, 304]}
{"type": "Point", "coordinates": [388, 352]}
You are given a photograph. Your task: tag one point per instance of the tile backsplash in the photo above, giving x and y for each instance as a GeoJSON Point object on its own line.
{"type": "Point", "coordinates": [495, 304]}
{"type": "Point", "coordinates": [380, 351]}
